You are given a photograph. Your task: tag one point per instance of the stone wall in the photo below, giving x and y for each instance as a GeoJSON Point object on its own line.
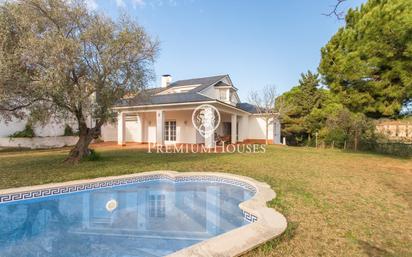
{"type": "Point", "coordinates": [396, 130]}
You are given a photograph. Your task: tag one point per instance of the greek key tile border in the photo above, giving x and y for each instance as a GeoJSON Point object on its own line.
{"type": "Point", "coordinates": [46, 192]}
{"type": "Point", "coordinates": [249, 217]}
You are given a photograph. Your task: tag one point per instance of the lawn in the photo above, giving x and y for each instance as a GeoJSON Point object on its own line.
{"type": "Point", "coordinates": [336, 203]}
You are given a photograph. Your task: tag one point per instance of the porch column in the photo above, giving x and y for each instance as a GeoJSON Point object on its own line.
{"type": "Point", "coordinates": [121, 128]}
{"type": "Point", "coordinates": [139, 128]}
{"type": "Point", "coordinates": [160, 123]}
{"type": "Point", "coordinates": [234, 129]}
{"type": "Point", "coordinates": [209, 125]}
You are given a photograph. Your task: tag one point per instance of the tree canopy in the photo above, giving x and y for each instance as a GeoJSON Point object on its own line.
{"type": "Point", "coordinates": [368, 63]}
{"type": "Point", "coordinates": [298, 104]}
{"type": "Point", "coordinates": [59, 59]}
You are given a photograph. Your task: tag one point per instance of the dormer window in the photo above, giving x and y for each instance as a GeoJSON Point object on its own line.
{"type": "Point", "coordinates": [223, 94]}
{"type": "Point", "coordinates": [178, 89]}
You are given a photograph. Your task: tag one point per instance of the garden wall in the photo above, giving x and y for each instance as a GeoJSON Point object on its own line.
{"type": "Point", "coordinates": [396, 130]}
{"type": "Point", "coordinates": [38, 142]}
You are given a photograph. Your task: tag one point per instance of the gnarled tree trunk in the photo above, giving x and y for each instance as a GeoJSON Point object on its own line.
{"type": "Point", "coordinates": [86, 136]}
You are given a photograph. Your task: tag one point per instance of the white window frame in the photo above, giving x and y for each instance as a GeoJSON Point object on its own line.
{"type": "Point", "coordinates": [157, 205]}
{"type": "Point", "coordinates": [170, 131]}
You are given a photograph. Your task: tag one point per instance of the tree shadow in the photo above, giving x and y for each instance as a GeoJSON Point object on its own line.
{"type": "Point", "coordinates": [372, 250]}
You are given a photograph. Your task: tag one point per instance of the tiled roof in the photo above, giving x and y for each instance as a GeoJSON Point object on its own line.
{"type": "Point", "coordinates": [202, 82]}
{"type": "Point", "coordinates": [164, 99]}
{"type": "Point", "coordinates": [247, 107]}
{"type": "Point", "coordinates": [149, 96]}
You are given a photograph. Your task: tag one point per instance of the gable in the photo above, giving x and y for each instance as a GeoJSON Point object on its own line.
{"type": "Point", "coordinates": [222, 90]}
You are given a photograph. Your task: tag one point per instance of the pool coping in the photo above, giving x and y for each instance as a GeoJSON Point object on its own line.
{"type": "Point", "coordinates": [265, 223]}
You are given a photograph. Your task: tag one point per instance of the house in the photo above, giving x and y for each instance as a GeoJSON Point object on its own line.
{"type": "Point", "coordinates": [163, 115]}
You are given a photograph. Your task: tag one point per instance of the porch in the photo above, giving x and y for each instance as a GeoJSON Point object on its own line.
{"type": "Point", "coordinates": [174, 126]}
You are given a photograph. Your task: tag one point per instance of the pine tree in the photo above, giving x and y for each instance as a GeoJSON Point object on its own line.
{"type": "Point", "coordinates": [368, 63]}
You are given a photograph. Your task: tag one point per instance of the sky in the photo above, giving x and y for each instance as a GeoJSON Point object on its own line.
{"type": "Point", "coordinates": [258, 43]}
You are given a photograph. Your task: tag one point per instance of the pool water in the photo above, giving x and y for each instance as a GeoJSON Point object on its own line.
{"type": "Point", "coordinates": [147, 219]}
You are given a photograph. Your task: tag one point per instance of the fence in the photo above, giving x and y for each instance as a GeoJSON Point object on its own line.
{"type": "Point", "coordinates": [392, 148]}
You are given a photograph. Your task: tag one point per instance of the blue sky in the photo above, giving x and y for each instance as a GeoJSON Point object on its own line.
{"type": "Point", "coordinates": [258, 43]}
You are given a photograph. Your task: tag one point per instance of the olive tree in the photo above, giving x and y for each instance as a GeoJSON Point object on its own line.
{"type": "Point", "coordinates": [60, 59]}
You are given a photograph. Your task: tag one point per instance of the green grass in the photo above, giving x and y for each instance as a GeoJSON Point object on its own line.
{"type": "Point", "coordinates": [336, 203]}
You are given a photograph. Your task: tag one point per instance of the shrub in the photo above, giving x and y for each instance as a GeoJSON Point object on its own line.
{"type": "Point", "coordinates": [335, 136]}
{"type": "Point", "coordinates": [68, 131]}
{"type": "Point", "coordinates": [93, 156]}
{"type": "Point", "coordinates": [26, 132]}
{"type": "Point", "coordinates": [345, 128]}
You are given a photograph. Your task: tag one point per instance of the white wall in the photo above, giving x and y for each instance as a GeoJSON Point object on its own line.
{"type": "Point", "coordinates": [6, 129]}
{"type": "Point", "coordinates": [132, 131]}
{"type": "Point", "coordinates": [38, 142]}
{"type": "Point", "coordinates": [51, 129]}
{"type": "Point", "coordinates": [185, 132]}
{"type": "Point", "coordinates": [149, 127]}
{"type": "Point", "coordinates": [257, 128]}
{"type": "Point", "coordinates": [243, 122]}
{"type": "Point", "coordinates": [109, 132]}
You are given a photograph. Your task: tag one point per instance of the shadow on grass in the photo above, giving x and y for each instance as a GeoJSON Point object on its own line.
{"type": "Point", "coordinates": [372, 250]}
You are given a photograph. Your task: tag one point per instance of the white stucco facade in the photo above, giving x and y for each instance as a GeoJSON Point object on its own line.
{"type": "Point", "coordinates": [142, 126]}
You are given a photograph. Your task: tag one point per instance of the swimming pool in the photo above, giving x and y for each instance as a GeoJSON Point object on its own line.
{"type": "Point", "coordinates": [148, 216]}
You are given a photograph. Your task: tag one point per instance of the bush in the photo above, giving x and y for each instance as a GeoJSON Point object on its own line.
{"type": "Point", "coordinates": [345, 129]}
{"type": "Point", "coordinates": [334, 136]}
{"type": "Point", "coordinates": [93, 156]}
{"type": "Point", "coordinates": [68, 131]}
{"type": "Point", "coordinates": [26, 132]}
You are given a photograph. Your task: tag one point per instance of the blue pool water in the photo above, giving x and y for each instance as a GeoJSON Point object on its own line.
{"type": "Point", "coordinates": [153, 218]}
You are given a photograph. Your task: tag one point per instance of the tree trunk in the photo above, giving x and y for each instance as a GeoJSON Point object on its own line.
{"type": "Point", "coordinates": [267, 131]}
{"type": "Point", "coordinates": [81, 149]}
{"type": "Point", "coordinates": [356, 140]}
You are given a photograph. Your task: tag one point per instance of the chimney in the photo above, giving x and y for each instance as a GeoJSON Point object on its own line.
{"type": "Point", "coordinates": [166, 80]}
